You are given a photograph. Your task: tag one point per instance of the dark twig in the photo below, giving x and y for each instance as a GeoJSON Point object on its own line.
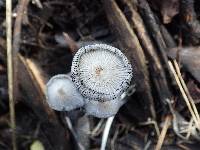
{"type": "Point", "coordinates": [170, 43]}
{"type": "Point", "coordinates": [133, 51]}
{"type": "Point", "coordinates": [16, 42]}
{"type": "Point", "coordinates": [70, 42]}
{"type": "Point", "coordinates": [150, 20]}
{"type": "Point", "coordinates": [156, 69]}
{"type": "Point", "coordinates": [154, 29]}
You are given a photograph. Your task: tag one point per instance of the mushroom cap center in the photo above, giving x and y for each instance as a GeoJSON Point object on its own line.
{"type": "Point", "coordinates": [98, 71]}
{"type": "Point", "coordinates": [62, 93]}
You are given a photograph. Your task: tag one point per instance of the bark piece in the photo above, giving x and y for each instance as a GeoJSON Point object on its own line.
{"type": "Point", "coordinates": [32, 83]}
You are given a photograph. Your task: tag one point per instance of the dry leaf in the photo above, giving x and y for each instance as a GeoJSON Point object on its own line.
{"type": "Point", "coordinates": [189, 57]}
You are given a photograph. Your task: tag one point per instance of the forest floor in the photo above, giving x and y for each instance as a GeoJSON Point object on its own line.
{"type": "Point", "coordinates": [160, 38]}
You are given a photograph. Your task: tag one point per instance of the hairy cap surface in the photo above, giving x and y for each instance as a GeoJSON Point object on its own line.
{"type": "Point", "coordinates": [101, 72]}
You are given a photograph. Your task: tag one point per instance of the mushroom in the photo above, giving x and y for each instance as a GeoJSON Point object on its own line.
{"type": "Point", "coordinates": [101, 73]}
{"type": "Point", "coordinates": [62, 95]}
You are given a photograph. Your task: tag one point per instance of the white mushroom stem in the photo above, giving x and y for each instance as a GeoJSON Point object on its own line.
{"type": "Point", "coordinates": [69, 123]}
{"type": "Point", "coordinates": [109, 123]}
{"type": "Point", "coordinates": [106, 132]}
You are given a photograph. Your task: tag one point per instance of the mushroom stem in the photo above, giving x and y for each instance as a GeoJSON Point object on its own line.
{"type": "Point", "coordinates": [109, 121]}
{"type": "Point", "coordinates": [106, 132]}
{"type": "Point", "coordinates": [70, 126]}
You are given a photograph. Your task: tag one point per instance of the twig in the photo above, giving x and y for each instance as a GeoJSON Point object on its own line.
{"type": "Point", "coordinates": [178, 122]}
{"type": "Point", "coordinates": [154, 123]}
{"type": "Point", "coordinates": [114, 138]}
{"type": "Point", "coordinates": [186, 89]}
{"type": "Point", "coordinates": [70, 42]}
{"type": "Point", "coordinates": [16, 42]}
{"type": "Point", "coordinates": [10, 70]}
{"type": "Point", "coordinates": [156, 69]}
{"type": "Point", "coordinates": [147, 145]}
{"type": "Point", "coordinates": [69, 123]}
{"type": "Point", "coordinates": [38, 3]}
{"type": "Point", "coordinates": [35, 87]}
{"type": "Point", "coordinates": [184, 94]}
{"type": "Point", "coordinates": [106, 132]}
{"type": "Point", "coordinates": [153, 26]}
{"type": "Point", "coordinates": [170, 43]}
{"type": "Point", "coordinates": [133, 50]}
{"type": "Point", "coordinates": [163, 132]}
{"type": "Point", "coordinates": [190, 126]}
{"type": "Point", "coordinates": [97, 128]}
{"type": "Point", "coordinates": [149, 19]}
{"type": "Point", "coordinates": [39, 76]}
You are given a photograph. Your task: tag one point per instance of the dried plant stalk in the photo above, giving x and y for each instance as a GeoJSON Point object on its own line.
{"type": "Point", "coordinates": [184, 94]}
{"type": "Point", "coordinates": [163, 132]}
{"type": "Point", "coordinates": [10, 70]}
{"type": "Point", "coordinates": [186, 89]}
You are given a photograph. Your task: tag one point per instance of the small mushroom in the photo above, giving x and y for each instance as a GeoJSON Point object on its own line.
{"type": "Point", "coordinates": [62, 95]}
{"type": "Point", "coordinates": [102, 74]}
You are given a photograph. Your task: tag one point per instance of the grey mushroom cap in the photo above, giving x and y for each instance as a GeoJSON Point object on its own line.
{"type": "Point", "coordinates": [62, 95]}
{"type": "Point", "coordinates": [101, 72]}
{"type": "Point", "coordinates": [103, 109]}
